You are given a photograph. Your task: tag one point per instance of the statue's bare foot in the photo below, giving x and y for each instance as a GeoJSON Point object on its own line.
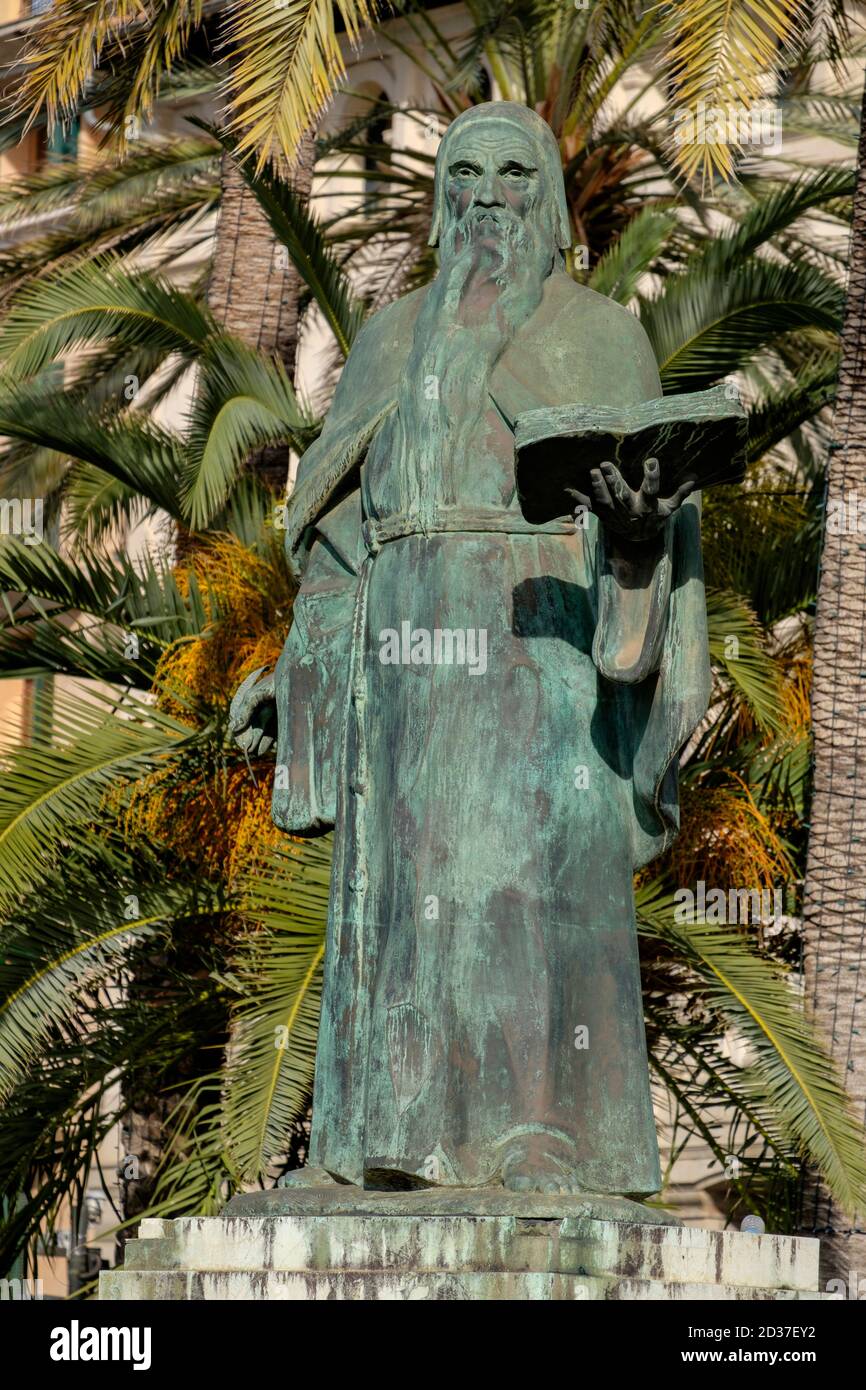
{"type": "Point", "coordinates": [538, 1172]}
{"type": "Point", "coordinates": [299, 1190]}
{"type": "Point", "coordinates": [309, 1177]}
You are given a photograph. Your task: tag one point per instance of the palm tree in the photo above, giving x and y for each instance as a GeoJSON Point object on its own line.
{"type": "Point", "coordinates": [142, 209]}
{"type": "Point", "coordinates": [156, 910]}
{"type": "Point", "coordinates": [253, 290]}
{"type": "Point", "coordinates": [127, 55]}
{"type": "Point", "coordinates": [835, 889]}
{"type": "Point", "coordinates": [281, 68]}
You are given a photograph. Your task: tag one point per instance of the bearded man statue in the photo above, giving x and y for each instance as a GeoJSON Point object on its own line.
{"type": "Point", "coordinates": [488, 712]}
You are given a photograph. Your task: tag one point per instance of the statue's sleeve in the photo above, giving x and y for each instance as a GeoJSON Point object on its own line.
{"type": "Point", "coordinates": [324, 548]}
{"type": "Point", "coordinates": [632, 600]}
{"type": "Point", "coordinates": [312, 676]}
{"type": "Point", "coordinates": [650, 644]}
{"type": "Point", "coordinates": [650, 649]}
{"type": "Point", "coordinates": [632, 581]}
{"type": "Point", "coordinates": [322, 544]}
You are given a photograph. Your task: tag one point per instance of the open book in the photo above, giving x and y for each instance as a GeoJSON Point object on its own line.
{"type": "Point", "coordinates": [699, 436]}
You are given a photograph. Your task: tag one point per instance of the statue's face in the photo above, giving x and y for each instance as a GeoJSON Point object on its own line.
{"type": "Point", "coordinates": [492, 178]}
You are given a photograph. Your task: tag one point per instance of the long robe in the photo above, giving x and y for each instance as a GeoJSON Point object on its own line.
{"type": "Point", "coordinates": [482, 991]}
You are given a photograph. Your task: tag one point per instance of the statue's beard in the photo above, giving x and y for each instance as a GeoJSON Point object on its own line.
{"type": "Point", "coordinates": [493, 266]}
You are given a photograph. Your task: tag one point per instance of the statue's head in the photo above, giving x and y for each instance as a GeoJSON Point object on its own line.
{"type": "Point", "coordinates": [498, 166]}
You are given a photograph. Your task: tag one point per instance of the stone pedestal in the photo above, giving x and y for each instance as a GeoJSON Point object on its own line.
{"type": "Point", "coordinates": [443, 1244]}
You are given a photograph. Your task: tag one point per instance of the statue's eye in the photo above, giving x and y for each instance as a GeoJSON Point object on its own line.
{"type": "Point", "coordinates": [463, 171]}
{"type": "Point", "coordinates": [515, 171]}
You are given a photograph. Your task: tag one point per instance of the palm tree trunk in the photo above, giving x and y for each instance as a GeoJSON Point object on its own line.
{"type": "Point", "coordinates": [834, 908]}
{"type": "Point", "coordinates": [254, 287]}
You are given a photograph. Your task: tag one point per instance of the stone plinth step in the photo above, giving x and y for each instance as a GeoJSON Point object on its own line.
{"type": "Point", "coordinates": [348, 1244]}
{"type": "Point", "coordinates": [378, 1285]}
{"type": "Point", "coordinates": [435, 1244]}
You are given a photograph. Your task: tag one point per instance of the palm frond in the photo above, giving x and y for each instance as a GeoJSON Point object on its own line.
{"type": "Point", "coordinates": [95, 302]}
{"type": "Point", "coordinates": [74, 943]}
{"type": "Point", "coordinates": [135, 610]}
{"type": "Point", "coordinates": [705, 326]}
{"type": "Point", "coordinates": [50, 792]}
{"type": "Point", "coordinates": [780, 412]}
{"type": "Point", "coordinates": [778, 208]}
{"type": "Point", "coordinates": [792, 1081]}
{"type": "Point", "coordinates": [72, 38]}
{"type": "Point", "coordinates": [286, 63]}
{"type": "Point", "coordinates": [736, 646]}
{"type": "Point", "coordinates": [129, 447]}
{"type": "Point", "coordinates": [269, 1070]}
{"type": "Point", "coordinates": [620, 270]}
{"type": "Point", "coordinates": [719, 54]}
{"type": "Point", "coordinates": [244, 402]}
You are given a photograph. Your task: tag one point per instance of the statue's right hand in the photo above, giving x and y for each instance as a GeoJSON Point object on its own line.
{"type": "Point", "coordinates": [253, 714]}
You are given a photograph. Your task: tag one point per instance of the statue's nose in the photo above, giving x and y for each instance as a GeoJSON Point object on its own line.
{"type": "Point", "coordinates": [488, 194]}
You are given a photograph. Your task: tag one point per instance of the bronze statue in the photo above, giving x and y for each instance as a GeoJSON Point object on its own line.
{"type": "Point", "coordinates": [488, 711]}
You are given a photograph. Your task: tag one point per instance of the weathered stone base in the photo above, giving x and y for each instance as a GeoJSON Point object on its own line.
{"type": "Point", "coordinates": [344, 1244]}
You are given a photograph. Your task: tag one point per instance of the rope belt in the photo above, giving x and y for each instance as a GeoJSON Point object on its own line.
{"type": "Point", "coordinates": [378, 531]}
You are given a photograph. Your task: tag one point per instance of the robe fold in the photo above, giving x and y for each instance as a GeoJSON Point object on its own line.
{"type": "Point", "coordinates": [482, 992]}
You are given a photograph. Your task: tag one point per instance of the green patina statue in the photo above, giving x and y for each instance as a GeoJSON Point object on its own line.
{"type": "Point", "coordinates": [488, 711]}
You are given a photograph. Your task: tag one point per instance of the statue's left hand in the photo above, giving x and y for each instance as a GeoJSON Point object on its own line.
{"type": "Point", "coordinates": [633, 516]}
{"type": "Point", "coordinates": [253, 715]}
